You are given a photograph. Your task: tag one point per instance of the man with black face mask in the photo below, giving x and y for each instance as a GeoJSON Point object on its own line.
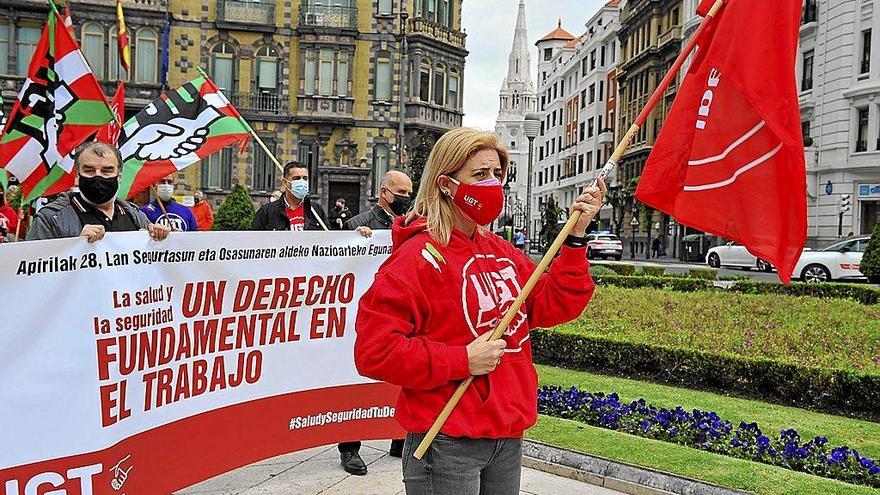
{"type": "Point", "coordinates": [395, 198]}
{"type": "Point", "coordinates": [95, 209]}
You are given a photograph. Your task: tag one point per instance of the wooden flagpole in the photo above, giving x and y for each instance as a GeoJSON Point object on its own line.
{"type": "Point", "coordinates": [161, 205]}
{"type": "Point", "coordinates": [264, 147]}
{"type": "Point", "coordinates": [569, 225]}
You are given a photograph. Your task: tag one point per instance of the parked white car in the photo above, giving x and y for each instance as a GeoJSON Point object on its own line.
{"type": "Point", "coordinates": [735, 255]}
{"type": "Point", "coordinates": [604, 246]}
{"type": "Point", "coordinates": [839, 261]}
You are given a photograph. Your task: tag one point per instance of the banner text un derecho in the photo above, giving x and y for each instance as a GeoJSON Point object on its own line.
{"type": "Point", "coordinates": [136, 366]}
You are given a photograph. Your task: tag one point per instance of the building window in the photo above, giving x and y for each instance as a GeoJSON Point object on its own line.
{"type": "Point", "coordinates": [310, 71]}
{"type": "Point", "coordinates": [115, 72]}
{"type": "Point", "coordinates": [380, 166]}
{"type": "Point", "coordinates": [385, 6]}
{"type": "Point", "coordinates": [590, 127]}
{"type": "Point", "coordinates": [593, 60]}
{"type": "Point", "coordinates": [325, 74]}
{"type": "Point", "coordinates": [443, 13]}
{"type": "Point", "coordinates": [601, 90]}
{"type": "Point", "coordinates": [580, 164]}
{"type": "Point", "coordinates": [582, 127]}
{"type": "Point", "coordinates": [439, 84]}
{"type": "Point", "coordinates": [602, 56]}
{"type": "Point", "coordinates": [217, 170]}
{"type": "Point", "coordinates": [93, 47]}
{"type": "Point", "coordinates": [26, 39]}
{"type": "Point", "coordinates": [4, 48]}
{"type": "Point", "coordinates": [452, 98]}
{"type": "Point", "coordinates": [425, 82]}
{"type": "Point", "coordinates": [222, 66]}
{"type": "Point", "coordinates": [267, 69]}
{"type": "Point", "coordinates": [264, 168]}
{"type": "Point", "coordinates": [807, 74]}
{"type": "Point", "coordinates": [583, 98]}
{"type": "Point", "coordinates": [146, 56]}
{"type": "Point", "coordinates": [308, 157]}
{"type": "Point", "coordinates": [548, 54]}
{"type": "Point", "coordinates": [866, 52]}
{"type": "Point", "coordinates": [862, 133]}
{"type": "Point", "coordinates": [342, 64]}
{"type": "Point", "coordinates": [805, 129]}
{"type": "Point", "coordinates": [809, 11]}
{"type": "Point", "coordinates": [383, 76]}
{"type": "Point", "coordinates": [592, 93]}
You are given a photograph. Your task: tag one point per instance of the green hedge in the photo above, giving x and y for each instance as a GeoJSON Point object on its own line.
{"type": "Point", "coordinates": [625, 270]}
{"type": "Point", "coordinates": [836, 391]}
{"type": "Point", "coordinates": [601, 271]}
{"type": "Point", "coordinates": [654, 271]}
{"type": "Point", "coordinates": [672, 283]}
{"type": "Point", "coordinates": [703, 273]}
{"type": "Point", "coordinates": [864, 294]}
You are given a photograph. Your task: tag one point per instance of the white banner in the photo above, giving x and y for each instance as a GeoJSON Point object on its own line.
{"type": "Point", "coordinates": [131, 365]}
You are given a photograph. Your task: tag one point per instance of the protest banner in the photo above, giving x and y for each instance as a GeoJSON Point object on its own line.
{"type": "Point", "coordinates": [142, 367]}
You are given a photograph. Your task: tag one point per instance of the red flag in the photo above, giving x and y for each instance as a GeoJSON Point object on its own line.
{"type": "Point", "coordinates": [110, 132]}
{"type": "Point", "coordinates": [122, 38]}
{"type": "Point", "coordinates": [730, 157]}
{"type": "Point", "coordinates": [704, 7]}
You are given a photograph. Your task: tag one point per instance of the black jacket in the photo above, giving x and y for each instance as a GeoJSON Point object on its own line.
{"type": "Point", "coordinates": [271, 216]}
{"type": "Point", "coordinates": [59, 219]}
{"type": "Point", "coordinates": [335, 215]}
{"type": "Point", "coordinates": [376, 219]}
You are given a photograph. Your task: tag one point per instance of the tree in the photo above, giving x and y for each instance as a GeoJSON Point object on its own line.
{"type": "Point", "coordinates": [550, 228]}
{"type": "Point", "coordinates": [419, 159]}
{"type": "Point", "coordinates": [870, 264]}
{"type": "Point", "coordinates": [236, 212]}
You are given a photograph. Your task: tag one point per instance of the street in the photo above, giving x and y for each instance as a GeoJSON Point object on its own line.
{"type": "Point", "coordinates": [679, 267]}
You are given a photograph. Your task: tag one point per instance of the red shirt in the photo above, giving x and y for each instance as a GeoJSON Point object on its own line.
{"type": "Point", "coordinates": [296, 217]}
{"type": "Point", "coordinates": [412, 335]}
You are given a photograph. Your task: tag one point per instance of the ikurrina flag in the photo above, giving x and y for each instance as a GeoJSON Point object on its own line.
{"type": "Point", "coordinates": [730, 157]}
{"type": "Point", "coordinates": [180, 128]}
{"type": "Point", "coordinates": [110, 133]}
{"type": "Point", "coordinates": [60, 106]}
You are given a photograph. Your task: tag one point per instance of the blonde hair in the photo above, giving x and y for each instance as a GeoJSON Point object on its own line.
{"type": "Point", "coordinates": [449, 155]}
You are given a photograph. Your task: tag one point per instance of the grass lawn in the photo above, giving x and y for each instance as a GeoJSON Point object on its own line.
{"type": "Point", "coordinates": [685, 461]}
{"type": "Point", "coordinates": [807, 331]}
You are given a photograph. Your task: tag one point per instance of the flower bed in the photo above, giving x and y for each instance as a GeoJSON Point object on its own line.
{"type": "Point", "coordinates": [707, 431]}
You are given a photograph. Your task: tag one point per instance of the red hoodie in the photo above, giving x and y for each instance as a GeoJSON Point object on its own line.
{"type": "Point", "coordinates": [429, 301]}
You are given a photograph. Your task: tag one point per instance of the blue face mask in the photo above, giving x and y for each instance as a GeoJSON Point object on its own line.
{"type": "Point", "coordinates": [299, 188]}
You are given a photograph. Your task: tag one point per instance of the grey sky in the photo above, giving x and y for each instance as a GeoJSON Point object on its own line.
{"type": "Point", "coordinates": [489, 25]}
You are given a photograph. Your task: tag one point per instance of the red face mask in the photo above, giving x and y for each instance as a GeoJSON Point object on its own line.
{"type": "Point", "coordinates": [481, 201]}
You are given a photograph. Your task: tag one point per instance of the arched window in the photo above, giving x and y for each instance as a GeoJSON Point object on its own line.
{"type": "Point", "coordinates": [146, 56]}
{"type": "Point", "coordinates": [222, 66]}
{"type": "Point", "coordinates": [425, 81]}
{"type": "Point", "coordinates": [380, 166]}
{"type": "Point", "coordinates": [383, 76]}
{"type": "Point", "coordinates": [440, 84]}
{"type": "Point", "coordinates": [26, 39]}
{"type": "Point", "coordinates": [267, 69]}
{"type": "Point", "coordinates": [115, 71]}
{"type": "Point", "coordinates": [4, 48]}
{"type": "Point", "coordinates": [93, 47]}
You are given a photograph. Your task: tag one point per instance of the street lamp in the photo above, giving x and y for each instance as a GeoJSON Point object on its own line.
{"type": "Point", "coordinates": [531, 127]}
{"type": "Point", "coordinates": [634, 223]}
{"type": "Point", "coordinates": [404, 69]}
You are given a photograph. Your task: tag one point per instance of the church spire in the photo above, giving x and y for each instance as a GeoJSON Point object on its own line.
{"type": "Point", "coordinates": [520, 61]}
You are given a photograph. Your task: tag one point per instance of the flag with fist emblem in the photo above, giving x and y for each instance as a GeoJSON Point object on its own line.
{"type": "Point", "coordinates": [180, 128]}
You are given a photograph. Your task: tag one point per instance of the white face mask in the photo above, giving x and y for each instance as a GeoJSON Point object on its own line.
{"type": "Point", "coordinates": [165, 191]}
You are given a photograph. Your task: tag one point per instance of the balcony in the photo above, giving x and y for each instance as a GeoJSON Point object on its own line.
{"type": "Point", "coordinates": [263, 102]}
{"type": "Point", "coordinates": [605, 137]}
{"type": "Point", "coordinates": [673, 34]}
{"type": "Point", "coordinates": [421, 114]}
{"type": "Point", "coordinates": [431, 30]}
{"type": "Point", "coordinates": [327, 16]}
{"type": "Point", "coordinates": [319, 109]}
{"type": "Point", "coordinates": [235, 14]}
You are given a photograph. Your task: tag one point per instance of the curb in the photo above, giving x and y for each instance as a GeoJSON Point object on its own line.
{"type": "Point", "coordinates": [626, 478]}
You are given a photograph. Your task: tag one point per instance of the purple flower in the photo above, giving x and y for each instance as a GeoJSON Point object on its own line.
{"type": "Point", "coordinates": [763, 442]}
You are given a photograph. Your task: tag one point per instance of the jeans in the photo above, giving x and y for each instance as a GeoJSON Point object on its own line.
{"type": "Point", "coordinates": [463, 466]}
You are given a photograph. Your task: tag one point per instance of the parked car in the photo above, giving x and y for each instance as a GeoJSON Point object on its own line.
{"type": "Point", "coordinates": [735, 255]}
{"type": "Point", "coordinates": [604, 246]}
{"type": "Point", "coordinates": [839, 261]}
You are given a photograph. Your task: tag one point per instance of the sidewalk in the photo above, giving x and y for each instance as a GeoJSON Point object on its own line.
{"type": "Point", "coordinates": [317, 471]}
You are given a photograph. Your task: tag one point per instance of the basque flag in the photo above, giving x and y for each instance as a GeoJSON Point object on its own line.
{"type": "Point", "coordinates": [730, 157]}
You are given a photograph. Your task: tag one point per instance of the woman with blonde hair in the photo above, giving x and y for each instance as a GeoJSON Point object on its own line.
{"type": "Point", "coordinates": [424, 323]}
